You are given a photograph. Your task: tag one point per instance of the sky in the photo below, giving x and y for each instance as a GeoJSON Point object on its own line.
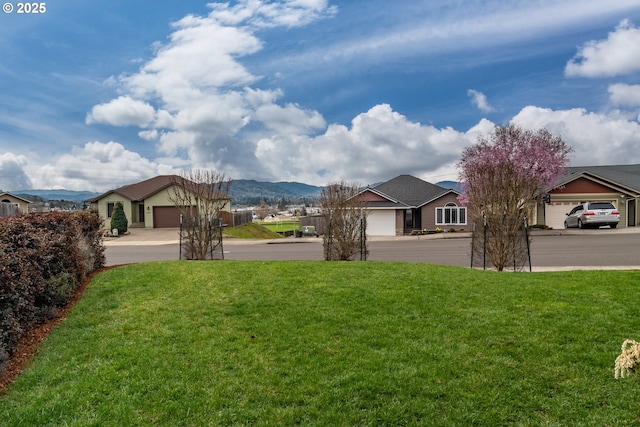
{"type": "Point", "coordinates": [99, 94]}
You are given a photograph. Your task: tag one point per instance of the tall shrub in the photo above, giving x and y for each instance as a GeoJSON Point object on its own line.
{"type": "Point", "coordinates": [119, 219]}
{"type": "Point", "coordinates": [43, 260]}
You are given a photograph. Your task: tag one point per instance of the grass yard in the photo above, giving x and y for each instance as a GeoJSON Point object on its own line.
{"type": "Point", "coordinates": [251, 231]}
{"type": "Point", "coordinates": [281, 226]}
{"type": "Point", "coordinates": [335, 344]}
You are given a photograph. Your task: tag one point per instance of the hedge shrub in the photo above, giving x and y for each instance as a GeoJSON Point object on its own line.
{"type": "Point", "coordinates": [43, 260]}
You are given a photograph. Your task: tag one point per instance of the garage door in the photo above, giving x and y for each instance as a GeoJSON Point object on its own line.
{"type": "Point", "coordinates": [556, 213]}
{"type": "Point", "coordinates": [381, 223]}
{"type": "Point", "coordinates": [166, 216]}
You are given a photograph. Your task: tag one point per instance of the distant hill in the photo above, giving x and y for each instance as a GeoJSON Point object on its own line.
{"type": "Point", "coordinates": [451, 185]}
{"type": "Point", "coordinates": [73, 196]}
{"type": "Point", "coordinates": [243, 191]}
{"type": "Point", "coordinates": [251, 191]}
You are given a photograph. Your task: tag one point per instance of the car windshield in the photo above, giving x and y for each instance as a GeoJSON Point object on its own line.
{"type": "Point", "coordinates": [601, 206]}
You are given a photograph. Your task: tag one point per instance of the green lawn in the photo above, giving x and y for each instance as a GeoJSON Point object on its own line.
{"type": "Point", "coordinates": [251, 231]}
{"type": "Point", "coordinates": [335, 344]}
{"type": "Point", "coordinates": [281, 226]}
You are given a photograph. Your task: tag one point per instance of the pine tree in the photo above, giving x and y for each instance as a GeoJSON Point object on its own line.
{"type": "Point", "coordinates": [119, 219]}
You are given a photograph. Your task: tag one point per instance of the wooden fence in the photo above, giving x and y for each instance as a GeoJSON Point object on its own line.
{"type": "Point", "coordinates": [317, 221]}
{"type": "Point", "coordinates": [8, 209]}
{"type": "Point", "coordinates": [235, 219]}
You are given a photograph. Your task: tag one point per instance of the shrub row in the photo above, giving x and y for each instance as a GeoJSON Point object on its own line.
{"type": "Point", "coordinates": [44, 258]}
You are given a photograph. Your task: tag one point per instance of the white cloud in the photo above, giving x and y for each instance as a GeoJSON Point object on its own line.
{"type": "Point", "coordinates": [479, 99]}
{"type": "Point", "coordinates": [598, 139]}
{"type": "Point", "coordinates": [380, 144]}
{"type": "Point", "coordinates": [617, 55]}
{"type": "Point", "coordinates": [259, 14]}
{"type": "Point", "coordinates": [624, 94]}
{"type": "Point", "coordinates": [101, 166]}
{"type": "Point", "coordinates": [123, 111]}
{"type": "Point", "coordinates": [12, 172]}
{"type": "Point", "coordinates": [206, 110]}
{"type": "Point", "coordinates": [289, 119]}
{"type": "Point", "coordinates": [219, 119]}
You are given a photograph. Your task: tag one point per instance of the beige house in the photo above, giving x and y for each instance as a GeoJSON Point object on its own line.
{"type": "Point", "coordinates": [146, 203]}
{"type": "Point", "coordinates": [618, 184]}
{"type": "Point", "coordinates": [11, 203]}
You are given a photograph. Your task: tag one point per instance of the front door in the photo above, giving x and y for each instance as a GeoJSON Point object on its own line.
{"type": "Point", "coordinates": [412, 220]}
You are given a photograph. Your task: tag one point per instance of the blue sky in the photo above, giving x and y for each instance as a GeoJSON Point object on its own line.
{"type": "Point", "coordinates": [99, 94]}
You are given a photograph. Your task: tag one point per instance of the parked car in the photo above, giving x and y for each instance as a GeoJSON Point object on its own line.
{"type": "Point", "coordinates": [593, 214]}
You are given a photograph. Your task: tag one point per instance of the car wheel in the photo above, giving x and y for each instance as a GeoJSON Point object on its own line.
{"type": "Point", "coordinates": [580, 225]}
{"type": "Point", "coordinates": [613, 225]}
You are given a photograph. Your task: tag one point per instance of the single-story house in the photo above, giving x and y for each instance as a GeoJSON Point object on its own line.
{"type": "Point", "coordinates": [618, 184]}
{"type": "Point", "coordinates": [13, 202]}
{"type": "Point", "coordinates": [146, 203]}
{"type": "Point", "coordinates": [407, 204]}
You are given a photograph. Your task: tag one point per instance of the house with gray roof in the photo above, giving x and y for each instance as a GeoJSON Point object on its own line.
{"type": "Point", "coordinates": [406, 204]}
{"type": "Point", "coordinates": [618, 184]}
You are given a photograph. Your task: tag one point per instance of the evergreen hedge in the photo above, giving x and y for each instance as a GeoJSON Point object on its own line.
{"type": "Point", "coordinates": [119, 219]}
{"type": "Point", "coordinates": [44, 258]}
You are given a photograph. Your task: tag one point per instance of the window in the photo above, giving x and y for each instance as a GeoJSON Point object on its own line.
{"type": "Point", "coordinates": [110, 207]}
{"type": "Point", "coordinates": [451, 214]}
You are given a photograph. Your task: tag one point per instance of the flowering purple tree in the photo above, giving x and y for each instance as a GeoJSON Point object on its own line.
{"type": "Point", "coordinates": [502, 178]}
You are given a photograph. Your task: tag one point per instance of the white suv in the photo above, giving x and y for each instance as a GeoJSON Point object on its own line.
{"type": "Point", "coordinates": [593, 214]}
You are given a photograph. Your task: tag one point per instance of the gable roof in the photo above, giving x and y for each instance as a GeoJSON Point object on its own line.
{"type": "Point", "coordinates": [624, 176]}
{"type": "Point", "coordinates": [139, 191]}
{"type": "Point", "coordinates": [407, 191]}
{"type": "Point", "coordinates": [5, 194]}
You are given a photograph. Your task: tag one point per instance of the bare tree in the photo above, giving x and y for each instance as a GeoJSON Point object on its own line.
{"type": "Point", "coordinates": [502, 176]}
{"type": "Point", "coordinates": [200, 195]}
{"type": "Point", "coordinates": [344, 216]}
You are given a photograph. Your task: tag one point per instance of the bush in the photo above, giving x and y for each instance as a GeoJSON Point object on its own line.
{"type": "Point", "coordinates": [119, 219]}
{"type": "Point", "coordinates": [43, 260]}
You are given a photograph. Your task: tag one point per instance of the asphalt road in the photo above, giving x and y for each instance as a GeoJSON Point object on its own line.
{"type": "Point", "coordinates": [562, 250]}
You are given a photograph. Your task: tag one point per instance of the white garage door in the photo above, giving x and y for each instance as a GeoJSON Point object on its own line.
{"type": "Point", "coordinates": [556, 213]}
{"type": "Point", "coordinates": [381, 223]}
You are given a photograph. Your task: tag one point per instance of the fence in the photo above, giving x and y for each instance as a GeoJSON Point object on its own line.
{"type": "Point", "coordinates": [346, 241]}
{"type": "Point", "coordinates": [8, 209]}
{"type": "Point", "coordinates": [500, 244]}
{"type": "Point", "coordinates": [235, 219]}
{"type": "Point", "coordinates": [317, 221]}
{"type": "Point", "coordinates": [201, 239]}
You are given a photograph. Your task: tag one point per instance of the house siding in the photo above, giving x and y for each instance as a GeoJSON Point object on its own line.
{"type": "Point", "coordinates": [399, 222]}
{"type": "Point", "coordinates": [102, 207]}
{"type": "Point", "coordinates": [22, 205]}
{"type": "Point", "coordinates": [429, 213]}
{"type": "Point", "coordinates": [369, 196]}
{"type": "Point", "coordinates": [582, 186]}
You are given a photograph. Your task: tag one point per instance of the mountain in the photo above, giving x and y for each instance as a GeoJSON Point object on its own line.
{"type": "Point", "coordinates": [252, 191]}
{"type": "Point", "coordinates": [451, 185]}
{"type": "Point", "coordinates": [74, 196]}
{"type": "Point", "coordinates": [243, 191]}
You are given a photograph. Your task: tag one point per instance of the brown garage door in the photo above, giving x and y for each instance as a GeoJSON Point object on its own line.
{"type": "Point", "coordinates": [166, 216]}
